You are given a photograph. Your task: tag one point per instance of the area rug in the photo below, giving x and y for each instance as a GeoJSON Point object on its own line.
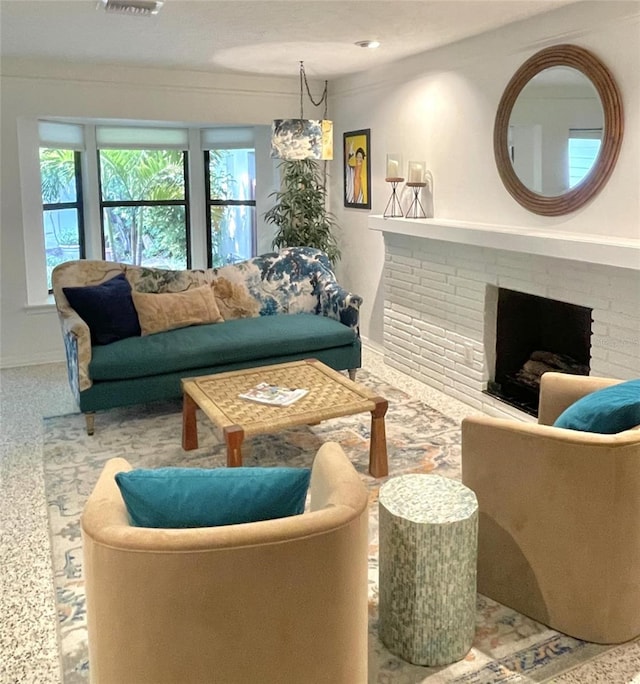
{"type": "Point", "coordinates": [508, 647]}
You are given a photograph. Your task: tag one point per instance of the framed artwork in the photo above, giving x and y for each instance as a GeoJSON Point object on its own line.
{"type": "Point", "coordinates": [357, 169]}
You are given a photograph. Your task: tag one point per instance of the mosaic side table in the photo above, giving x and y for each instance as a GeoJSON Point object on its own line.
{"type": "Point", "coordinates": [428, 547]}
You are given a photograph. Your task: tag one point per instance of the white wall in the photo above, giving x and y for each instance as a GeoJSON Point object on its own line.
{"type": "Point", "coordinates": [440, 107]}
{"type": "Point", "coordinates": [36, 89]}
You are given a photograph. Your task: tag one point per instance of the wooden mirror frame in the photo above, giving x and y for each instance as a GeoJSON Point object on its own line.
{"type": "Point", "coordinates": [601, 78]}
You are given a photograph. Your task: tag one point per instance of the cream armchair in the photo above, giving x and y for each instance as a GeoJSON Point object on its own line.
{"type": "Point", "coordinates": [559, 526]}
{"type": "Point", "coordinates": [279, 601]}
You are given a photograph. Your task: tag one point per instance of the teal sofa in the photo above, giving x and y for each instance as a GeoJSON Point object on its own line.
{"type": "Point", "coordinates": [277, 307]}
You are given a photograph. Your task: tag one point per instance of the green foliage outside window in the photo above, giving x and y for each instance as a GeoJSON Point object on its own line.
{"type": "Point", "coordinates": [58, 185]}
{"type": "Point", "coordinates": [144, 233]}
{"type": "Point", "coordinates": [231, 179]}
{"type": "Point", "coordinates": [61, 208]}
{"type": "Point", "coordinates": [153, 231]}
{"type": "Point", "coordinates": [57, 175]}
{"type": "Point", "coordinates": [220, 187]}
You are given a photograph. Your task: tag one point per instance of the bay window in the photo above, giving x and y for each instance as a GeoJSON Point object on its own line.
{"type": "Point", "coordinates": [152, 195]}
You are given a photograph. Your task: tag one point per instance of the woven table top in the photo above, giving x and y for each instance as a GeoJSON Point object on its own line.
{"type": "Point", "coordinates": [331, 395]}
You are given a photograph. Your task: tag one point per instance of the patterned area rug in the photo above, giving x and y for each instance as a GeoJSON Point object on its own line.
{"type": "Point", "coordinates": [508, 647]}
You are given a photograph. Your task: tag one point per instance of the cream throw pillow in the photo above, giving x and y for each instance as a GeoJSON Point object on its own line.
{"type": "Point", "coordinates": [169, 310]}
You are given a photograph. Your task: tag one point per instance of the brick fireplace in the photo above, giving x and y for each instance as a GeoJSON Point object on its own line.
{"type": "Point", "coordinates": [441, 302]}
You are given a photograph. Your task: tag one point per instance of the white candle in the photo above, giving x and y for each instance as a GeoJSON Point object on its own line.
{"type": "Point", "coordinates": [415, 175]}
{"type": "Point", "coordinates": [392, 168]}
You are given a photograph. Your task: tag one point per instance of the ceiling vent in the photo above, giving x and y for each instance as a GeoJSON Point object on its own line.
{"type": "Point", "coordinates": [138, 7]}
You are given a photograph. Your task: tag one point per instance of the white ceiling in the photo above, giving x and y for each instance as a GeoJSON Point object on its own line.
{"type": "Point", "coordinates": [257, 36]}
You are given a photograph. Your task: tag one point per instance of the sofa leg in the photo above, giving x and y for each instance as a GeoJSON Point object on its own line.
{"type": "Point", "coordinates": [352, 373]}
{"type": "Point", "coordinates": [90, 421]}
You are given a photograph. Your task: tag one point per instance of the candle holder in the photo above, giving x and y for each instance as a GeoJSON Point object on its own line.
{"type": "Point", "coordinates": [393, 208]}
{"type": "Point", "coordinates": [416, 210]}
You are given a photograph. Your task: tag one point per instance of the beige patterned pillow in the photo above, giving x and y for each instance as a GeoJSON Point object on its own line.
{"type": "Point", "coordinates": [169, 310]}
{"type": "Point", "coordinates": [234, 300]}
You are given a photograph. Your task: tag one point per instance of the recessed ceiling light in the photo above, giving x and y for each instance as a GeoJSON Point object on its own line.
{"type": "Point", "coordinates": [368, 43]}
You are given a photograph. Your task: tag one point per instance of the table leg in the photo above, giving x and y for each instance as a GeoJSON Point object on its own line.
{"type": "Point", "coordinates": [233, 436]}
{"type": "Point", "coordinates": [90, 418]}
{"type": "Point", "coordinates": [189, 427]}
{"type": "Point", "coordinates": [378, 465]}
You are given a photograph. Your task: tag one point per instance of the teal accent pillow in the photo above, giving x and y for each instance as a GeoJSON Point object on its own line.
{"type": "Point", "coordinates": [607, 411]}
{"type": "Point", "coordinates": [200, 497]}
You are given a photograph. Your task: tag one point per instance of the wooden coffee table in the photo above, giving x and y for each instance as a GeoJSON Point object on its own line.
{"type": "Point", "coordinates": [331, 395]}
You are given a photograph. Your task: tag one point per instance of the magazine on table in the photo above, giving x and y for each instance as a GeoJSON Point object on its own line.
{"type": "Point", "coordinates": [273, 394]}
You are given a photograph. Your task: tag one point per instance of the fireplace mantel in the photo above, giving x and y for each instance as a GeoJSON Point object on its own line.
{"type": "Point", "coordinates": [593, 249]}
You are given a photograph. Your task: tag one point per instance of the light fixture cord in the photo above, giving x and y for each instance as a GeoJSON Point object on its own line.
{"type": "Point", "coordinates": [323, 98]}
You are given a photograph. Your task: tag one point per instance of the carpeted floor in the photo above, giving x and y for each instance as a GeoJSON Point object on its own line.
{"type": "Point", "coordinates": [29, 642]}
{"type": "Point", "coordinates": [508, 647]}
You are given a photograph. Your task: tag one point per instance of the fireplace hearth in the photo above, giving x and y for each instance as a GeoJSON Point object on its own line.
{"type": "Point", "coordinates": [535, 335]}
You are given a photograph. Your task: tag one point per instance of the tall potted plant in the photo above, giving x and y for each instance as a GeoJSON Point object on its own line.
{"type": "Point", "coordinates": [300, 213]}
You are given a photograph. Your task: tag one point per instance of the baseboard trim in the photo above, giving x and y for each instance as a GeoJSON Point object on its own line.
{"type": "Point", "coordinates": [372, 346]}
{"type": "Point", "coordinates": [37, 360]}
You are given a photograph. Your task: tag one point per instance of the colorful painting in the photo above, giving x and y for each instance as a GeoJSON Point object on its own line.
{"type": "Point", "coordinates": [357, 169]}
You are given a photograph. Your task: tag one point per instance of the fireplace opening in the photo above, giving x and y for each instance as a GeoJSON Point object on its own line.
{"type": "Point", "coordinates": [535, 335]}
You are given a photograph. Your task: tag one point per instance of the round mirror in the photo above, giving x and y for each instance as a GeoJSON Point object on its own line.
{"type": "Point", "coordinates": [558, 130]}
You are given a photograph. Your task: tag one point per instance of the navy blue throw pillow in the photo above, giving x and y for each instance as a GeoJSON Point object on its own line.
{"type": "Point", "coordinates": [107, 309]}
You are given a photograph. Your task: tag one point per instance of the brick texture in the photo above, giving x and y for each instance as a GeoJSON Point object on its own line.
{"type": "Point", "coordinates": [439, 320]}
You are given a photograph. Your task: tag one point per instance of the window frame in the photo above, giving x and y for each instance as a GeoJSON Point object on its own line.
{"type": "Point", "coordinates": [582, 134]}
{"type": "Point", "coordinates": [210, 202]}
{"type": "Point", "coordinates": [102, 204]}
{"type": "Point", "coordinates": [85, 139]}
{"type": "Point", "coordinates": [78, 205]}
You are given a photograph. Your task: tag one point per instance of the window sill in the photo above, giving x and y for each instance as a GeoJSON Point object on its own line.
{"type": "Point", "coordinates": [45, 307]}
